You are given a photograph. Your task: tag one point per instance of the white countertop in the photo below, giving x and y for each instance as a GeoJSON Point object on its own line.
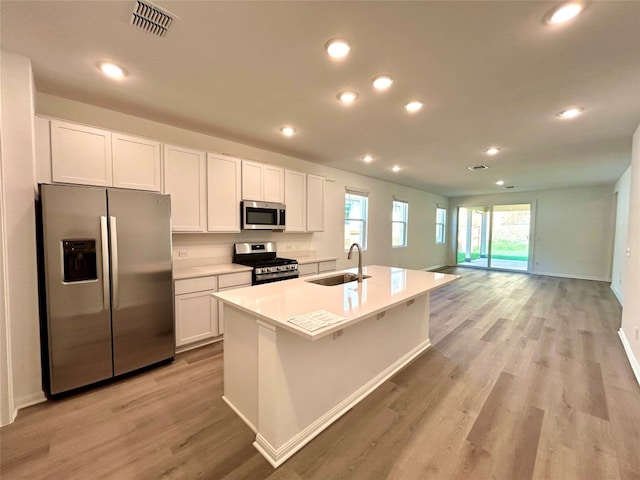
{"type": "Point", "coordinates": [276, 302]}
{"type": "Point", "coordinates": [304, 260]}
{"type": "Point", "coordinates": [180, 273]}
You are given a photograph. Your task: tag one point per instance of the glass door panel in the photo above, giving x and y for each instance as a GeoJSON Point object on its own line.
{"type": "Point", "coordinates": [510, 230]}
{"type": "Point", "coordinates": [473, 236]}
{"type": "Point", "coordinates": [494, 236]}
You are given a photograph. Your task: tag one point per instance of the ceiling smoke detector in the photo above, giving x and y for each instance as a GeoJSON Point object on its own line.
{"type": "Point", "coordinates": [151, 18]}
{"type": "Point", "coordinates": [473, 168]}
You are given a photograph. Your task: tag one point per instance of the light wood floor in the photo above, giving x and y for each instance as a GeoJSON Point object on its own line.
{"type": "Point", "coordinates": [526, 379]}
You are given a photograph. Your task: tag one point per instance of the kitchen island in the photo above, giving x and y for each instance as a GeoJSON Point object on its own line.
{"type": "Point", "coordinates": [288, 383]}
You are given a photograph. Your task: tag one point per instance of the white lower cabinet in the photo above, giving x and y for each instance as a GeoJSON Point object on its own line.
{"type": "Point", "coordinates": [196, 317]}
{"type": "Point", "coordinates": [313, 268]}
{"type": "Point", "coordinates": [198, 314]}
{"type": "Point", "coordinates": [196, 311]}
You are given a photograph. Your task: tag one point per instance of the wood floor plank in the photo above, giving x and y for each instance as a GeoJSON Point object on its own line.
{"type": "Point", "coordinates": [526, 378]}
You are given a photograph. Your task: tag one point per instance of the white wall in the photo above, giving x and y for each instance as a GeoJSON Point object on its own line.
{"type": "Point", "coordinates": [421, 252]}
{"type": "Point", "coordinates": [573, 229]}
{"type": "Point", "coordinates": [623, 191]}
{"type": "Point", "coordinates": [18, 230]}
{"type": "Point", "coordinates": [630, 331]}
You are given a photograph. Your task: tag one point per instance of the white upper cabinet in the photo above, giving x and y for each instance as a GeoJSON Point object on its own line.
{"type": "Point", "coordinates": [262, 182]}
{"type": "Point", "coordinates": [185, 180]}
{"type": "Point", "coordinates": [223, 193]}
{"type": "Point", "coordinates": [252, 181]}
{"type": "Point", "coordinates": [273, 184]}
{"type": "Point", "coordinates": [295, 198]}
{"type": "Point", "coordinates": [80, 154]}
{"type": "Point", "coordinates": [136, 162]}
{"type": "Point", "coordinates": [315, 203]}
{"type": "Point", "coordinates": [93, 156]}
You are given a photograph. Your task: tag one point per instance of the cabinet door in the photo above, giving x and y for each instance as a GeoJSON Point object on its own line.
{"type": "Point", "coordinates": [80, 154]}
{"type": "Point", "coordinates": [273, 184]}
{"type": "Point", "coordinates": [196, 317]}
{"type": "Point", "coordinates": [252, 180]}
{"type": "Point", "coordinates": [136, 162]}
{"type": "Point", "coordinates": [185, 181]}
{"type": "Point", "coordinates": [315, 203]}
{"type": "Point", "coordinates": [223, 193]}
{"type": "Point", "coordinates": [295, 199]}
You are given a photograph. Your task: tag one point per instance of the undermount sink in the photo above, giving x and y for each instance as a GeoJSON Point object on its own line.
{"type": "Point", "coordinates": [337, 279]}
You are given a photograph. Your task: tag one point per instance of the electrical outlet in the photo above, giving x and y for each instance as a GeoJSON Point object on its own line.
{"type": "Point", "coordinates": [637, 333]}
{"type": "Point", "coordinates": [289, 246]}
{"type": "Point", "coordinates": [183, 253]}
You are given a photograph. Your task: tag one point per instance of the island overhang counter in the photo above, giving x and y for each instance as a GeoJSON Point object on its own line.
{"type": "Point", "coordinates": [288, 383]}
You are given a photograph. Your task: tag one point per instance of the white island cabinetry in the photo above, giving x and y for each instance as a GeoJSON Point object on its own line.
{"type": "Point", "coordinates": [288, 383]}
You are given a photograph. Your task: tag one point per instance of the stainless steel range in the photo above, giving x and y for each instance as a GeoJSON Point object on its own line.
{"type": "Point", "coordinates": [267, 266]}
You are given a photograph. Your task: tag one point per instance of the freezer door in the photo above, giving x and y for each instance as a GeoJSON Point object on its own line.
{"type": "Point", "coordinates": [142, 290]}
{"type": "Point", "coordinates": [77, 286]}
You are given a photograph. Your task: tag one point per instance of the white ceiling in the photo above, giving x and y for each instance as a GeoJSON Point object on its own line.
{"type": "Point", "coordinates": [489, 73]}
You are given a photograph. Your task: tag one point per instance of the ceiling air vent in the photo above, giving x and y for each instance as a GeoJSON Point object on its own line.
{"type": "Point", "coordinates": [509, 187]}
{"type": "Point", "coordinates": [151, 18]}
{"type": "Point", "coordinates": [478, 167]}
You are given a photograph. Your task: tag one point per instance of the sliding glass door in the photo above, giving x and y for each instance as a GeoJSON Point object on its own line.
{"type": "Point", "coordinates": [495, 236]}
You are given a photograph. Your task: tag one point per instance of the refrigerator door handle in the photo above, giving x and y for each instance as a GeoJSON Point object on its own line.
{"type": "Point", "coordinates": [113, 231]}
{"type": "Point", "coordinates": [105, 262]}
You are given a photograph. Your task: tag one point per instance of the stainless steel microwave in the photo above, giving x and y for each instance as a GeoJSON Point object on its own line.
{"type": "Point", "coordinates": [262, 215]}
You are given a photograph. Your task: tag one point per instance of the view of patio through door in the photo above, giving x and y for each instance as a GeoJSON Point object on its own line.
{"type": "Point", "coordinates": [494, 236]}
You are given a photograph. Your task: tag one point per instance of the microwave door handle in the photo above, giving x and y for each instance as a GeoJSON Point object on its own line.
{"type": "Point", "coordinates": [113, 231]}
{"type": "Point", "coordinates": [105, 262]}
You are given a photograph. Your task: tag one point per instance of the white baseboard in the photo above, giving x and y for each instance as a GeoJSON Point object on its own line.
{"type": "Point", "coordinates": [237, 412]}
{"type": "Point", "coordinates": [434, 267]}
{"type": "Point", "coordinates": [31, 399]}
{"type": "Point", "coordinates": [635, 366]}
{"type": "Point", "coordinates": [617, 294]}
{"type": "Point", "coordinates": [277, 456]}
{"type": "Point", "coordinates": [569, 275]}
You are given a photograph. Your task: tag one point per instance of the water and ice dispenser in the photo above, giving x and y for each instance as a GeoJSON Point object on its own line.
{"type": "Point", "coordinates": [79, 260]}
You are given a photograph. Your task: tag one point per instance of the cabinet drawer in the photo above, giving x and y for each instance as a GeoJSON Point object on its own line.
{"type": "Point", "coordinates": [189, 285]}
{"type": "Point", "coordinates": [327, 266]}
{"type": "Point", "coordinates": [234, 279]}
{"type": "Point", "coordinates": [307, 269]}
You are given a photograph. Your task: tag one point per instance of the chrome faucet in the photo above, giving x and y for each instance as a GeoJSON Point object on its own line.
{"type": "Point", "coordinates": [359, 259]}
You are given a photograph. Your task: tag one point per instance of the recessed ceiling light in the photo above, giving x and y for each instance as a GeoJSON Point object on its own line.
{"type": "Point", "coordinates": [413, 106]}
{"type": "Point", "coordinates": [288, 131]}
{"type": "Point", "coordinates": [565, 12]}
{"type": "Point", "coordinates": [112, 70]}
{"type": "Point", "coordinates": [500, 182]}
{"type": "Point", "coordinates": [367, 159]}
{"type": "Point", "coordinates": [572, 112]}
{"type": "Point", "coordinates": [347, 97]}
{"type": "Point", "coordinates": [382, 82]}
{"type": "Point", "coordinates": [337, 48]}
{"type": "Point", "coordinates": [492, 150]}
{"type": "Point", "coordinates": [395, 168]}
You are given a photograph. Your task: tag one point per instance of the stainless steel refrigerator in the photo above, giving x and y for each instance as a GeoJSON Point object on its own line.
{"type": "Point", "coordinates": [106, 283]}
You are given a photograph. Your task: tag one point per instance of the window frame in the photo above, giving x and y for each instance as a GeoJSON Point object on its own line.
{"type": "Point", "coordinates": [364, 196]}
{"type": "Point", "coordinates": [404, 223]}
{"type": "Point", "coordinates": [441, 239]}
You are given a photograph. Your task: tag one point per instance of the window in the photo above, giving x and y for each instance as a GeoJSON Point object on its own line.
{"type": "Point", "coordinates": [355, 218]}
{"type": "Point", "coordinates": [441, 223]}
{"type": "Point", "coordinates": [400, 218]}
